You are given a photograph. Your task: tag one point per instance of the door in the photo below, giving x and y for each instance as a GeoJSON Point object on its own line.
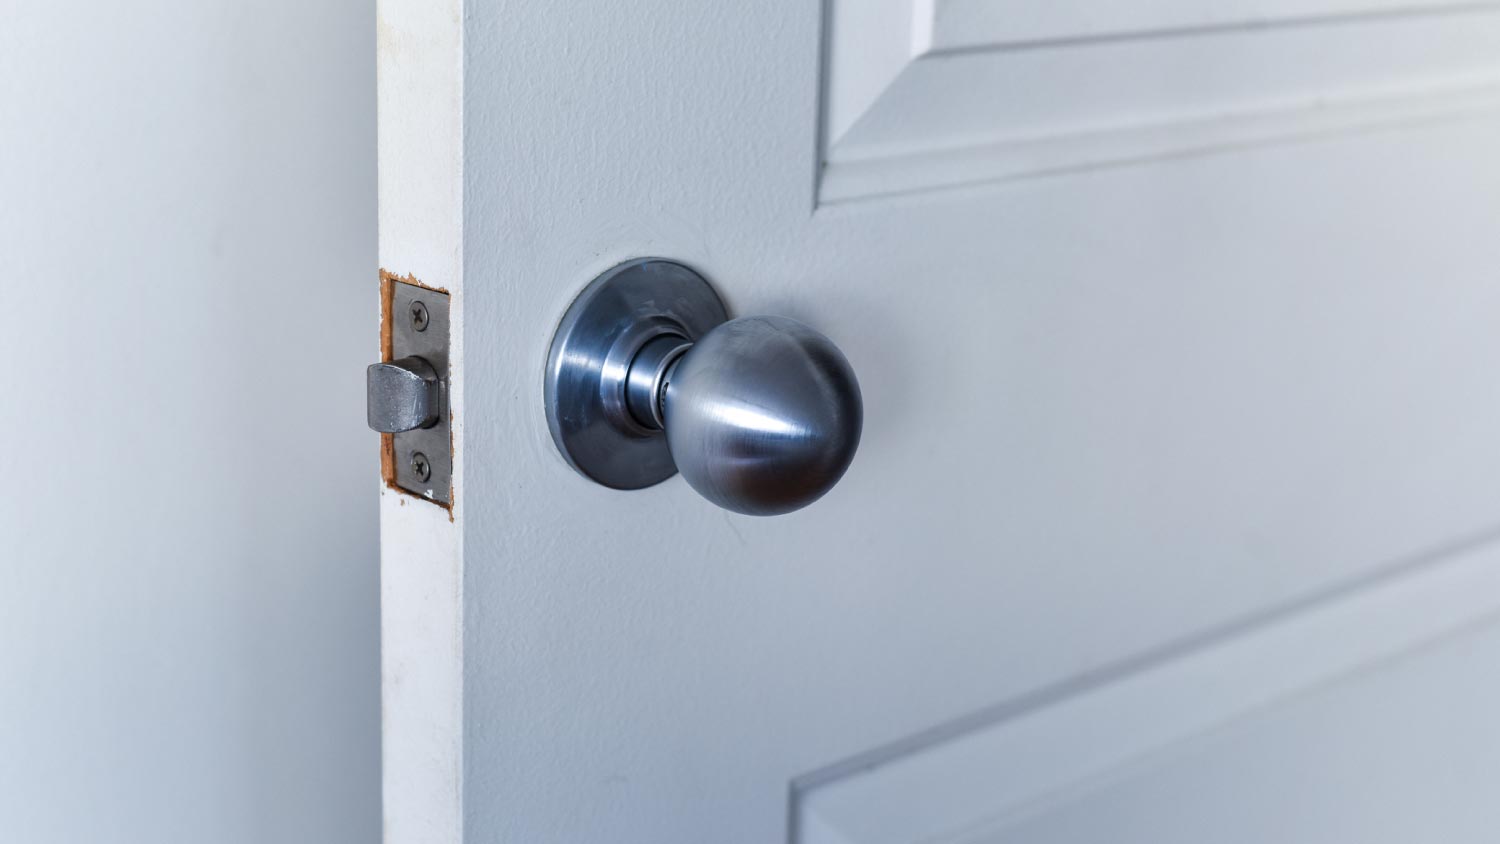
{"type": "Point", "coordinates": [1175, 508]}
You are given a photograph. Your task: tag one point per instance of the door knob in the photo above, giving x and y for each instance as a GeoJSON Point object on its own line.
{"type": "Point", "coordinates": [648, 377]}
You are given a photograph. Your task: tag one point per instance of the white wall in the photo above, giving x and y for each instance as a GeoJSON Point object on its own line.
{"type": "Point", "coordinates": [188, 565]}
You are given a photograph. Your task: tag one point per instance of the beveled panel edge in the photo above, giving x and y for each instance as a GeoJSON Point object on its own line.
{"type": "Point", "coordinates": [844, 175]}
{"type": "Point", "coordinates": [1070, 152]}
{"type": "Point", "coordinates": [1026, 749]}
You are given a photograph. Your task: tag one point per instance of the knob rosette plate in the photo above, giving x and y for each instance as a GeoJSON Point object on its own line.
{"type": "Point", "coordinates": [588, 367]}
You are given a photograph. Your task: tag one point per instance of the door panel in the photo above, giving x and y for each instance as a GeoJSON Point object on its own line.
{"type": "Point", "coordinates": [978, 778]}
{"type": "Point", "coordinates": [1108, 412]}
{"type": "Point", "coordinates": [904, 113]}
{"type": "Point", "coordinates": [1335, 764]}
{"type": "Point", "coordinates": [1397, 754]}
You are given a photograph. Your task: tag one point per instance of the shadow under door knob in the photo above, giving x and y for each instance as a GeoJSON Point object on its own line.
{"type": "Point", "coordinates": [648, 377]}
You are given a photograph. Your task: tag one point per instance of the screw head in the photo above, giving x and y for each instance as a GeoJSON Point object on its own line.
{"type": "Point", "coordinates": [421, 466]}
{"type": "Point", "coordinates": [419, 317]}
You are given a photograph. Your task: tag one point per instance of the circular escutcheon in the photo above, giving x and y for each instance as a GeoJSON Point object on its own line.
{"type": "Point", "coordinates": [599, 336]}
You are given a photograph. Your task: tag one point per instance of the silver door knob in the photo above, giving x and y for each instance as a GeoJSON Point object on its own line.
{"type": "Point", "coordinates": [402, 395]}
{"type": "Point", "coordinates": [762, 415]}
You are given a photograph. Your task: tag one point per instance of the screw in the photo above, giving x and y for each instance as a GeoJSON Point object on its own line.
{"type": "Point", "coordinates": [419, 316]}
{"type": "Point", "coordinates": [421, 467]}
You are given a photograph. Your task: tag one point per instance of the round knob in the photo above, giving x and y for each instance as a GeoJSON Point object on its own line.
{"type": "Point", "coordinates": [647, 377]}
{"type": "Point", "coordinates": [762, 415]}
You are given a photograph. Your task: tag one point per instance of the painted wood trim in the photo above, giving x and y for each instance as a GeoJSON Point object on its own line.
{"type": "Point", "coordinates": [1000, 767]}
{"type": "Point", "coordinates": [925, 95]}
{"type": "Point", "coordinates": [1043, 155]}
{"type": "Point", "coordinates": [991, 24]}
{"type": "Point", "coordinates": [419, 61]}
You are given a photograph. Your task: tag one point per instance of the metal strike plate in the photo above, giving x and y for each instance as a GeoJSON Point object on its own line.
{"type": "Point", "coordinates": [423, 457]}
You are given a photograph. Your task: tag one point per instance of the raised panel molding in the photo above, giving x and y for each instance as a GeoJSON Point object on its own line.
{"type": "Point", "coordinates": [974, 24]}
{"type": "Point", "coordinates": [978, 778]}
{"type": "Point", "coordinates": [927, 94]}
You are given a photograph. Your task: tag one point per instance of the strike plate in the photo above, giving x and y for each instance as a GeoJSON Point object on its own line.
{"type": "Point", "coordinates": [419, 328]}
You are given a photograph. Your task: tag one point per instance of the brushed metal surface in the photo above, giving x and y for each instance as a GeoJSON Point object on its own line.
{"type": "Point", "coordinates": [762, 415]}
{"type": "Point", "coordinates": [419, 332]}
{"type": "Point", "coordinates": [402, 395]}
{"type": "Point", "coordinates": [607, 326]}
